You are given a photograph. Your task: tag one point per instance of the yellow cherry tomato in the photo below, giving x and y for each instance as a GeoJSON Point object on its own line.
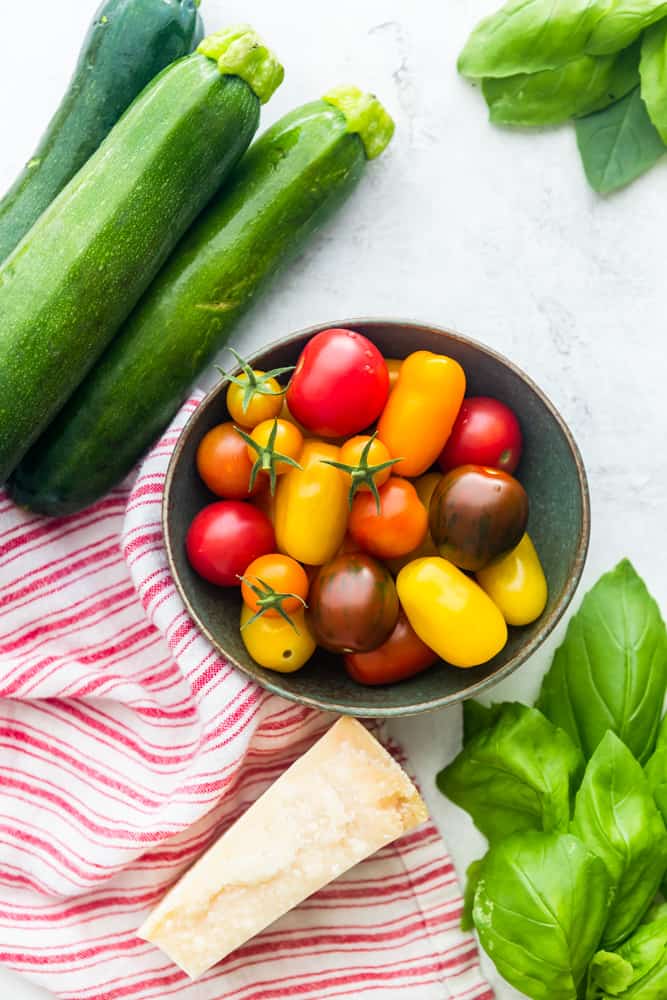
{"type": "Point", "coordinates": [275, 643]}
{"type": "Point", "coordinates": [394, 366]}
{"type": "Point", "coordinates": [421, 410]}
{"type": "Point", "coordinates": [425, 487]}
{"type": "Point", "coordinates": [515, 582]}
{"type": "Point", "coordinates": [450, 612]}
{"type": "Point", "coordinates": [279, 437]}
{"type": "Point", "coordinates": [311, 508]}
{"type": "Point", "coordinates": [264, 405]}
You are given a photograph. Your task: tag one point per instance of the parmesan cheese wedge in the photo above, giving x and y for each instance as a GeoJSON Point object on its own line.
{"type": "Point", "coordinates": [339, 803]}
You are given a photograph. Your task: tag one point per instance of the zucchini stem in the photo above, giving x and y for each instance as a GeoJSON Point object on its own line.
{"type": "Point", "coordinates": [239, 51]}
{"type": "Point", "coordinates": [365, 116]}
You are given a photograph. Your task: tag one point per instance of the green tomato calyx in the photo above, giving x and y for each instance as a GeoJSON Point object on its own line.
{"type": "Point", "coordinates": [254, 382]}
{"type": "Point", "coordinates": [363, 474]}
{"type": "Point", "coordinates": [269, 599]}
{"type": "Point", "coordinates": [267, 457]}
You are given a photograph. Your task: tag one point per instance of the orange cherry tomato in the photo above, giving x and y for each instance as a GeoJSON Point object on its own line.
{"type": "Point", "coordinates": [421, 410]}
{"type": "Point", "coordinates": [270, 578]}
{"type": "Point", "coordinates": [288, 442]}
{"type": "Point", "coordinates": [394, 366]}
{"type": "Point", "coordinates": [425, 487]}
{"type": "Point", "coordinates": [400, 656]}
{"type": "Point", "coordinates": [399, 527]}
{"type": "Point", "coordinates": [224, 465]}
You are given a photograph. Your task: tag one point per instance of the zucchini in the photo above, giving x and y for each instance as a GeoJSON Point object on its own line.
{"type": "Point", "coordinates": [79, 271]}
{"type": "Point", "coordinates": [290, 180]}
{"type": "Point", "coordinates": [128, 43]}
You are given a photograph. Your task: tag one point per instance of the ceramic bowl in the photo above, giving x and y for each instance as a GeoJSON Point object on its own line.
{"type": "Point", "coordinates": [551, 469]}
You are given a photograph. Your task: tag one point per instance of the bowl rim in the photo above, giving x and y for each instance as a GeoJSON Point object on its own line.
{"type": "Point", "coordinates": [431, 704]}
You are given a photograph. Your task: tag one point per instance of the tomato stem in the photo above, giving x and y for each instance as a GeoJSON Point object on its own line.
{"type": "Point", "coordinates": [363, 474]}
{"type": "Point", "coordinates": [269, 599]}
{"type": "Point", "coordinates": [267, 457]}
{"type": "Point", "coordinates": [252, 382]}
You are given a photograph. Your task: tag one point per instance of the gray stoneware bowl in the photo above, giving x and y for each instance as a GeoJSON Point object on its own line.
{"type": "Point", "coordinates": [551, 470]}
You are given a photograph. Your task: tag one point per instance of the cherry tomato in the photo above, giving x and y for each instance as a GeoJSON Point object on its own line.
{"type": "Point", "coordinates": [276, 576]}
{"type": "Point", "coordinates": [311, 509]}
{"type": "Point", "coordinates": [225, 537]}
{"type": "Point", "coordinates": [516, 583]}
{"type": "Point", "coordinates": [254, 395]}
{"type": "Point", "coordinates": [340, 384]}
{"type": "Point", "coordinates": [260, 406]}
{"type": "Point", "coordinates": [421, 410]}
{"type": "Point", "coordinates": [394, 366]}
{"type": "Point", "coordinates": [402, 655]}
{"type": "Point", "coordinates": [274, 445]}
{"type": "Point", "coordinates": [450, 612]}
{"type": "Point", "coordinates": [425, 487]}
{"type": "Point", "coordinates": [223, 464]}
{"type": "Point", "coordinates": [353, 605]}
{"type": "Point", "coordinates": [399, 527]}
{"type": "Point", "coordinates": [486, 432]}
{"type": "Point", "coordinates": [477, 513]}
{"type": "Point", "coordinates": [362, 454]}
{"type": "Point", "coordinates": [275, 643]}
{"type": "Point", "coordinates": [288, 441]}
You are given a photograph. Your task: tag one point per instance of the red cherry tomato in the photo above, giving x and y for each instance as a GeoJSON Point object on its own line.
{"type": "Point", "coordinates": [225, 537]}
{"type": "Point", "coordinates": [486, 432]}
{"type": "Point", "coordinates": [400, 656]}
{"type": "Point", "coordinates": [340, 384]}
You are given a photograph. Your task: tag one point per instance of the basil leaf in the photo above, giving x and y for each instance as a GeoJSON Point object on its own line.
{"type": "Point", "coordinates": [540, 907]}
{"type": "Point", "coordinates": [473, 875]}
{"type": "Point", "coordinates": [611, 670]}
{"type": "Point", "coordinates": [617, 819]}
{"type": "Point", "coordinates": [526, 36]}
{"type": "Point", "coordinates": [555, 95]}
{"type": "Point", "coordinates": [619, 144]}
{"type": "Point", "coordinates": [656, 771]}
{"type": "Point", "coordinates": [477, 717]}
{"type": "Point", "coordinates": [638, 969]}
{"type": "Point", "coordinates": [517, 774]}
{"type": "Point", "coordinates": [653, 71]}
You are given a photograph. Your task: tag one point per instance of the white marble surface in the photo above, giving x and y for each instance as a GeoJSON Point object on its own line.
{"type": "Point", "coordinates": [460, 224]}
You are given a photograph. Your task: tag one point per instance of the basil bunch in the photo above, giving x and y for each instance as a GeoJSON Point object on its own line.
{"type": "Point", "coordinates": [575, 824]}
{"type": "Point", "coordinates": [543, 62]}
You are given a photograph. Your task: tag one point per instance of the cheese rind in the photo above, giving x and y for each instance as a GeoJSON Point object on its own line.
{"type": "Point", "coordinates": [339, 803]}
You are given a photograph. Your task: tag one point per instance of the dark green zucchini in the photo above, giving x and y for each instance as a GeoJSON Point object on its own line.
{"type": "Point", "coordinates": [128, 43]}
{"type": "Point", "coordinates": [286, 185]}
{"type": "Point", "coordinates": [80, 270]}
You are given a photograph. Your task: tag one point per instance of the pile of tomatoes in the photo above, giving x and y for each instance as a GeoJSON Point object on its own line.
{"type": "Point", "coordinates": [370, 508]}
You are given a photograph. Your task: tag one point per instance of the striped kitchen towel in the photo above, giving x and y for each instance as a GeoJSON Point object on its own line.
{"type": "Point", "coordinates": [127, 745]}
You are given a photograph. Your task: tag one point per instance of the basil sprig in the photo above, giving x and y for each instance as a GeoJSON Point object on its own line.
{"type": "Point", "coordinates": [543, 62]}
